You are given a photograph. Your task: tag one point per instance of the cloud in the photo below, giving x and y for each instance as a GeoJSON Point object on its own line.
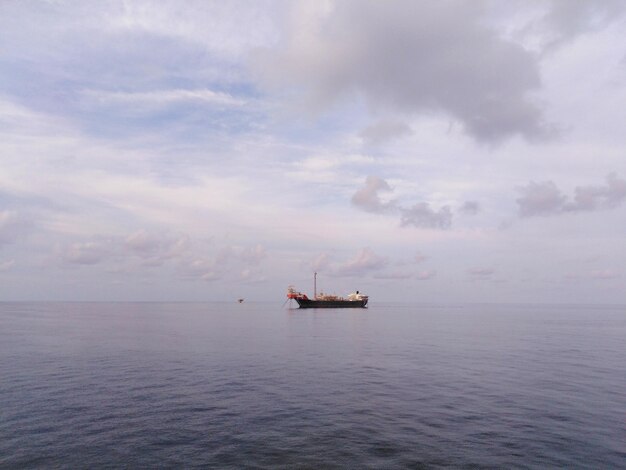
{"type": "Point", "coordinates": [604, 275]}
{"type": "Point", "coordinates": [426, 275]}
{"type": "Point", "coordinates": [11, 226]}
{"type": "Point", "coordinates": [252, 256]}
{"type": "Point", "coordinates": [155, 249]}
{"type": "Point", "coordinates": [395, 275]}
{"type": "Point", "coordinates": [230, 262]}
{"type": "Point", "coordinates": [199, 268]}
{"type": "Point", "coordinates": [589, 198]}
{"type": "Point", "coordinates": [470, 208]}
{"type": "Point", "coordinates": [423, 216]}
{"type": "Point", "coordinates": [419, 257]}
{"type": "Point", "coordinates": [546, 199]}
{"type": "Point", "coordinates": [411, 58]}
{"type": "Point", "coordinates": [7, 265]}
{"type": "Point", "coordinates": [481, 273]}
{"type": "Point", "coordinates": [540, 199]}
{"type": "Point", "coordinates": [86, 253]}
{"type": "Point", "coordinates": [186, 257]}
{"type": "Point", "coordinates": [384, 131]}
{"type": "Point", "coordinates": [253, 276]}
{"type": "Point", "coordinates": [420, 215]}
{"type": "Point", "coordinates": [367, 262]}
{"type": "Point", "coordinates": [363, 263]}
{"type": "Point", "coordinates": [367, 198]}
{"type": "Point", "coordinates": [423, 275]}
{"type": "Point", "coordinates": [163, 97]}
{"type": "Point", "coordinates": [321, 262]}
{"type": "Point", "coordinates": [566, 20]}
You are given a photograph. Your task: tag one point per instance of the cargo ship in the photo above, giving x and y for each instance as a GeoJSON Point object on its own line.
{"type": "Point", "coordinates": [354, 300]}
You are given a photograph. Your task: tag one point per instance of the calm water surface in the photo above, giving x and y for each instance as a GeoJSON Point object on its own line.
{"type": "Point", "coordinates": [252, 385]}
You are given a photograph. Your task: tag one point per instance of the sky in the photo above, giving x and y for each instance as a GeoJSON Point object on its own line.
{"type": "Point", "coordinates": [433, 151]}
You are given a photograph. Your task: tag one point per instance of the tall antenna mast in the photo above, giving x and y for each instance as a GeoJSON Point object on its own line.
{"type": "Point", "coordinates": [314, 285]}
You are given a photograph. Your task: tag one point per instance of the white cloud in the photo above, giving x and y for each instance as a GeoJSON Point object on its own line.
{"type": "Point", "coordinates": [164, 97]}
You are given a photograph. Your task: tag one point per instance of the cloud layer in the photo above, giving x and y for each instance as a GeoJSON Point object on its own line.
{"type": "Point", "coordinates": [149, 151]}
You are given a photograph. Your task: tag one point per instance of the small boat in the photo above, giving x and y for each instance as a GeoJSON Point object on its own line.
{"type": "Point", "coordinates": [354, 300]}
{"type": "Point", "coordinates": [240, 301]}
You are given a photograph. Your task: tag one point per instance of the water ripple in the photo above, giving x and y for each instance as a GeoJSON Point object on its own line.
{"type": "Point", "coordinates": [254, 386]}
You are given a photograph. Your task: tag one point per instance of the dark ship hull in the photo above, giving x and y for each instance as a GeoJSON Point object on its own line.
{"type": "Point", "coordinates": [354, 300]}
{"type": "Point", "coordinates": [339, 303]}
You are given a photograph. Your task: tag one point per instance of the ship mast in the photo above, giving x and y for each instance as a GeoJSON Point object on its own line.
{"type": "Point", "coordinates": [314, 286]}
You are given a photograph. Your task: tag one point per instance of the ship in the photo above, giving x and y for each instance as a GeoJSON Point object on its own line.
{"type": "Point", "coordinates": [353, 300]}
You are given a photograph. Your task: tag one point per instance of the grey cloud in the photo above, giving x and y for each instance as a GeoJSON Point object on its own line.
{"type": "Point", "coordinates": [384, 131]}
{"type": "Point", "coordinates": [367, 198]}
{"type": "Point", "coordinates": [395, 275]}
{"type": "Point", "coordinates": [589, 198]}
{"type": "Point", "coordinates": [366, 261]}
{"type": "Point", "coordinates": [155, 249]}
{"type": "Point", "coordinates": [426, 275]}
{"type": "Point", "coordinates": [253, 255]}
{"type": "Point", "coordinates": [423, 216]}
{"type": "Point", "coordinates": [567, 19]}
{"type": "Point", "coordinates": [248, 256]}
{"type": "Point", "coordinates": [415, 58]}
{"type": "Point", "coordinates": [604, 275]}
{"type": "Point", "coordinates": [199, 268]}
{"type": "Point", "coordinates": [142, 244]}
{"type": "Point", "coordinates": [470, 208]}
{"type": "Point", "coordinates": [420, 215]}
{"type": "Point", "coordinates": [419, 257]}
{"type": "Point", "coordinates": [321, 262]}
{"type": "Point", "coordinates": [252, 276]}
{"type": "Point", "coordinates": [7, 265]}
{"type": "Point", "coordinates": [540, 199]}
{"type": "Point", "coordinates": [11, 227]}
{"type": "Point", "coordinates": [480, 274]}
{"type": "Point", "coordinates": [546, 199]}
{"type": "Point", "coordinates": [230, 262]}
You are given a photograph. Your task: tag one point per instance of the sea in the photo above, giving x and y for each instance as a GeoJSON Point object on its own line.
{"type": "Point", "coordinates": [265, 386]}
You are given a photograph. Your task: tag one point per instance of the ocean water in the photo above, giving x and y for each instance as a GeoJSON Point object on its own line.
{"type": "Point", "coordinates": [254, 385]}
